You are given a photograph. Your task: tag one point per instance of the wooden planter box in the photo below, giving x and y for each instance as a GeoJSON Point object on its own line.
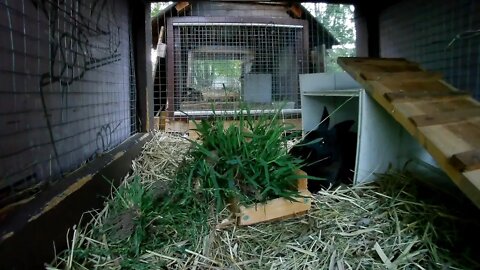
{"type": "Point", "coordinates": [275, 209]}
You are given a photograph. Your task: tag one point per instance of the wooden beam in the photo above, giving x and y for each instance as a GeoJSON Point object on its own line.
{"type": "Point", "coordinates": [142, 38]}
{"type": "Point", "coordinates": [403, 76]}
{"type": "Point", "coordinates": [296, 11]}
{"type": "Point", "coordinates": [444, 117]}
{"type": "Point", "coordinates": [28, 234]}
{"type": "Point", "coordinates": [434, 105]}
{"type": "Point", "coordinates": [466, 161]}
{"type": "Point", "coordinates": [279, 208]}
{"type": "Point", "coordinates": [367, 23]}
{"type": "Point", "coordinates": [405, 85]}
{"type": "Point", "coordinates": [474, 178]}
{"type": "Point", "coordinates": [424, 95]}
{"type": "Point", "coordinates": [181, 5]}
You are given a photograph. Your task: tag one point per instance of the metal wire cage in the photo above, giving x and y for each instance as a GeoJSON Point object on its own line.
{"type": "Point", "coordinates": [214, 55]}
{"type": "Point", "coordinates": [218, 64]}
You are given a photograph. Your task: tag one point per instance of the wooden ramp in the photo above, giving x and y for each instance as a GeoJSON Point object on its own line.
{"type": "Point", "coordinates": [444, 120]}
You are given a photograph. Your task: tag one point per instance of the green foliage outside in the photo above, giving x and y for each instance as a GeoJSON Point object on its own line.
{"type": "Point", "coordinates": [205, 71]}
{"type": "Point", "coordinates": [338, 20]}
{"type": "Point", "coordinates": [155, 8]}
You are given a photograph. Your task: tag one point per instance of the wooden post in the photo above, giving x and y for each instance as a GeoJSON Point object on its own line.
{"type": "Point", "coordinates": [142, 40]}
{"type": "Point", "coordinates": [368, 31]}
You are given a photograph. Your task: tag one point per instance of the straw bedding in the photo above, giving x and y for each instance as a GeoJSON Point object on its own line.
{"type": "Point", "coordinates": [389, 224]}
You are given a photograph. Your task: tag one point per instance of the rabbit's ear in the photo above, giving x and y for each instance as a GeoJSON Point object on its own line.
{"type": "Point", "coordinates": [325, 122]}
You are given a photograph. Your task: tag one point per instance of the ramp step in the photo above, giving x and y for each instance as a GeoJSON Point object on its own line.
{"type": "Point", "coordinates": [444, 120]}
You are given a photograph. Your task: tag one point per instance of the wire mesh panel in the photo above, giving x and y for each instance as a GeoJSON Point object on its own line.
{"type": "Point", "coordinates": [133, 85]}
{"type": "Point", "coordinates": [65, 92]}
{"type": "Point", "coordinates": [220, 64]}
{"type": "Point", "coordinates": [223, 52]}
{"type": "Point", "coordinates": [448, 41]}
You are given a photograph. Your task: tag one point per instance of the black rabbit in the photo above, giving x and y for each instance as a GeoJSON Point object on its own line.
{"type": "Point", "coordinates": [328, 153]}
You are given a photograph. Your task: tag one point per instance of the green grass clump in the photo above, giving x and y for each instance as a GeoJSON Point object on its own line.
{"type": "Point", "coordinates": [132, 209]}
{"type": "Point", "coordinates": [247, 161]}
{"type": "Point", "coordinates": [134, 222]}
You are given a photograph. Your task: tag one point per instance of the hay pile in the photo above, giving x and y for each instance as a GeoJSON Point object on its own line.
{"type": "Point", "coordinates": [160, 158]}
{"type": "Point", "coordinates": [386, 225]}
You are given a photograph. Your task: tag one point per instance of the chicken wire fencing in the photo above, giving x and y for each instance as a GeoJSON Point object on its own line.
{"type": "Point", "coordinates": [68, 88]}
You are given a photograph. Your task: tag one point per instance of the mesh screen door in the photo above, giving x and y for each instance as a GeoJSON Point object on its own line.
{"type": "Point", "coordinates": [223, 63]}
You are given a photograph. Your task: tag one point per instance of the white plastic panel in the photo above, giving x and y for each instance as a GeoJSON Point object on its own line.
{"type": "Point", "coordinates": [379, 137]}
{"type": "Point", "coordinates": [257, 88]}
{"type": "Point", "coordinates": [411, 148]}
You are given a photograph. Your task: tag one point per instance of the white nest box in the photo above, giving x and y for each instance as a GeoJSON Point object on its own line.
{"type": "Point", "coordinates": [382, 143]}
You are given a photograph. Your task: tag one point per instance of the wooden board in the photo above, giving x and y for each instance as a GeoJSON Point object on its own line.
{"type": "Point", "coordinates": [176, 126]}
{"type": "Point", "coordinates": [435, 105]}
{"type": "Point", "coordinates": [448, 116]}
{"type": "Point", "coordinates": [279, 208]}
{"type": "Point", "coordinates": [274, 209]}
{"type": "Point", "coordinates": [444, 120]}
{"type": "Point", "coordinates": [420, 95]}
{"type": "Point", "coordinates": [416, 75]}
